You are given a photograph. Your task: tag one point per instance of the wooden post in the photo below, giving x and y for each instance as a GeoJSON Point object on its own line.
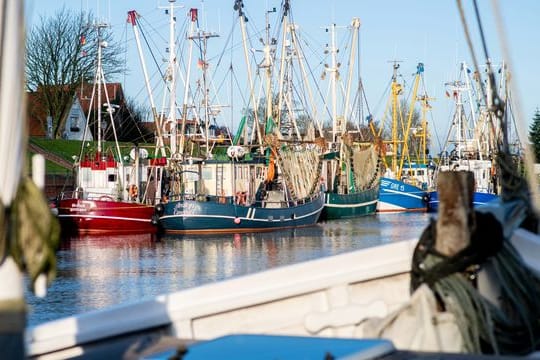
{"type": "Point", "coordinates": [456, 216]}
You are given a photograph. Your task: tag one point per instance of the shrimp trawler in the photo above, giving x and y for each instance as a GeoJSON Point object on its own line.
{"type": "Point", "coordinates": [471, 141]}
{"type": "Point", "coordinates": [406, 180]}
{"type": "Point", "coordinates": [111, 196]}
{"type": "Point", "coordinates": [265, 186]}
{"type": "Point", "coordinates": [350, 172]}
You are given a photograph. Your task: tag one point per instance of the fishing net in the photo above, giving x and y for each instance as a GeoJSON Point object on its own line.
{"type": "Point", "coordinates": [301, 168]}
{"type": "Point", "coordinates": [365, 166]}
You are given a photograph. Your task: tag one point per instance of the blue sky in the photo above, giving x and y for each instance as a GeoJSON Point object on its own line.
{"type": "Point", "coordinates": [412, 31]}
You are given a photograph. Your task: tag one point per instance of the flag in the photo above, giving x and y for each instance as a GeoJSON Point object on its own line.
{"type": "Point", "coordinates": [202, 64]}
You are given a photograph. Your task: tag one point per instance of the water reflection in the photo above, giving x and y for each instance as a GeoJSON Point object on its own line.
{"type": "Point", "coordinates": [97, 271]}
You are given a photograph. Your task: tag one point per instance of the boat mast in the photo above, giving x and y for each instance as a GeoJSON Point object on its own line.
{"type": "Point", "coordinates": [98, 82]}
{"type": "Point", "coordinates": [238, 6]}
{"type": "Point", "coordinates": [194, 17]}
{"type": "Point", "coordinates": [171, 72]}
{"type": "Point", "coordinates": [295, 44]}
{"type": "Point", "coordinates": [456, 88]}
{"type": "Point", "coordinates": [100, 76]}
{"type": "Point", "coordinates": [283, 62]}
{"type": "Point", "coordinates": [355, 24]}
{"type": "Point", "coordinates": [334, 70]}
{"type": "Point", "coordinates": [397, 89]}
{"type": "Point", "coordinates": [405, 137]}
{"type": "Point", "coordinates": [268, 63]}
{"type": "Point", "coordinates": [132, 19]}
{"type": "Point", "coordinates": [424, 100]}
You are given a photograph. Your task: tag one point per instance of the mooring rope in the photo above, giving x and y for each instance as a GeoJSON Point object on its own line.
{"type": "Point", "coordinates": [30, 233]}
{"type": "Point", "coordinates": [510, 327]}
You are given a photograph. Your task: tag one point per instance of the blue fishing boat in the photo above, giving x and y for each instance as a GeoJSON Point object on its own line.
{"type": "Point", "coordinates": [269, 182]}
{"type": "Point", "coordinates": [245, 195]}
{"type": "Point", "coordinates": [396, 196]}
{"type": "Point", "coordinates": [479, 198]}
{"type": "Point", "coordinates": [214, 215]}
{"type": "Point", "coordinates": [405, 183]}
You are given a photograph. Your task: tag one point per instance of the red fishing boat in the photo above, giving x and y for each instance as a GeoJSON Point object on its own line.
{"type": "Point", "coordinates": [113, 194]}
{"type": "Point", "coordinates": [95, 209]}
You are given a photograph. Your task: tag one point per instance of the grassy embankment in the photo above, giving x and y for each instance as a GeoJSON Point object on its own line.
{"type": "Point", "coordinates": [66, 149]}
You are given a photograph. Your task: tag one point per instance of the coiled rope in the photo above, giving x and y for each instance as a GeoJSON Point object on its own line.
{"type": "Point", "coordinates": [513, 327]}
{"type": "Point", "coordinates": [30, 232]}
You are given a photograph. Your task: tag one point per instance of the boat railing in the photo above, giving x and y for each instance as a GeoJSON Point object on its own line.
{"type": "Point", "coordinates": [244, 202]}
{"type": "Point", "coordinates": [87, 195]}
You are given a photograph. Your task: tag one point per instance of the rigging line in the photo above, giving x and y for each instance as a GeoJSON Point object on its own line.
{"type": "Point", "coordinates": [224, 49]}
{"type": "Point", "coordinates": [244, 100]}
{"type": "Point", "coordinates": [469, 43]}
{"type": "Point", "coordinates": [214, 97]}
{"type": "Point", "coordinates": [143, 33]}
{"type": "Point", "coordinates": [529, 157]}
{"type": "Point", "coordinates": [430, 114]}
{"type": "Point", "coordinates": [496, 101]}
{"type": "Point", "coordinates": [363, 91]}
{"type": "Point", "coordinates": [383, 97]}
{"type": "Point", "coordinates": [358, 95]}
{"type": "Point", "coordinates": [313, 78]}
{"type": "Point", "coordinates": [480, 29]}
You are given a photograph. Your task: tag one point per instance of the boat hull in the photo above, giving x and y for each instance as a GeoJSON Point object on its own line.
{"type": "Point", "coordinates": [341, 206]}
{"type": "Point", "coordinates": [213, 216]}
{"type": "Point", "coordinates": [397, 196]}
{"type": "Point", "coordinates": [78, 216]}
{"type": "Point", "coordinates": [479, 198]}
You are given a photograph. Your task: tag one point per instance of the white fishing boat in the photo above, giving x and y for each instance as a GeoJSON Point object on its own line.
{"type": "Point", "coordinates": [471, 141]}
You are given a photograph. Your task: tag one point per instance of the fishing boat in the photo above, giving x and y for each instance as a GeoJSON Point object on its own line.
{"type": "Point", "coordinates": [240, 196]}
{"type": "Point", "coordinates": [350, 171]}
{"type": "Point", "coordinates": [112, 195]}
{"type": "Point", "coordinates": [264, 186]}
{"type": "Point", "coordinates": [471, 141]}
{"type": "Point", "coordinates": [406, 180]}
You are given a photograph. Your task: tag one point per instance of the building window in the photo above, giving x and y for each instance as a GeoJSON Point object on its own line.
{"type": "Point", "coordinates": [74, 124]}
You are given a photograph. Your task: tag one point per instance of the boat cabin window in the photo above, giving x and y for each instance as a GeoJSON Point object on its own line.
{"type": "Point", "coordinates": [207, 174]}
{"type": "Point", "coordinates": [112, 177]}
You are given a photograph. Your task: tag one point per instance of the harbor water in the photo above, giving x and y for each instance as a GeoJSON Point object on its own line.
{"type": "Point", "coordinates": [96, 272]}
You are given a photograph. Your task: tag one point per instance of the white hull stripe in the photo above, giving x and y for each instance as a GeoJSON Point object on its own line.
{"type": "Point", "coordinates": [90, 217]}
{"type": "Point", "coordinates": [243, 218]}
{"type": "Point", "coordinates": [402, 193]}
{"type": "Point", "coordinates": [351, 205]}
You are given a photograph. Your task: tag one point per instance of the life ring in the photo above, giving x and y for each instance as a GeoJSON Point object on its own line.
{"type": "Point", "coordinates": [241, 198]}
{"type": "Point", "coordinates": [133, 191]}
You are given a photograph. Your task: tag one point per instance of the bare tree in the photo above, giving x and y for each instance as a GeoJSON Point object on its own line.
{"type": "Point", "coordinates": [61, 52]}
{"type": "Point", "coordinates": [129, 123]}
